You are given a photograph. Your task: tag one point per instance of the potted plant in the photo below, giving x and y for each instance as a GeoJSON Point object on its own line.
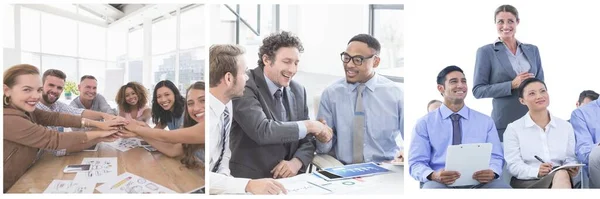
{"type": "Point", "coordinates": [70, 88]}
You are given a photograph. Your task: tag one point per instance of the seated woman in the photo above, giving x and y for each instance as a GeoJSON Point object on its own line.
{"type": "Point", "coordinates": [167, 106]}
{"type": "Point", "coordinates": [132, 98]}
{"type": "Point", "coordinates": [24, 131]}
{"type": "Point", "coordinates": [538, 141]}
{"type": "Point", "coordinates": [187, 141]}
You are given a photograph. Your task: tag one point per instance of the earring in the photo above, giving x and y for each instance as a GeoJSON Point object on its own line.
{"type": "Point", "coordinates": [6, 100]}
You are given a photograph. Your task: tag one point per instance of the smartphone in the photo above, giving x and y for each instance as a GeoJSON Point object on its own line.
{"type": "Point", "coordinates": [74, 168]}
{"type": "Point", "coordinates": [149, 148]}
{"type": "Point", "coordinates": [143, 143]}
{"type": "Point", "coordinates": [329, 175]}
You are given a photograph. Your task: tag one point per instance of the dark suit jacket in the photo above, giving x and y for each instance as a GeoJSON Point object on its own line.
{"type": "Point", "coordinates": [259, 140]}
{"type": "Point", "coordinates": [493, 76]}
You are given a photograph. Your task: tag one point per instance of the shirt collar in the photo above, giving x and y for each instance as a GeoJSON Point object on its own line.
{"type": "Point", "coordinates": [217, 106]}
{"type": "Point", "coordinates": [369, 84]}
{"type": "Point", "coordinates": [272, 87]}
{"type": "Point", "coordinates": [498, 40]}
{"type": "Point", "coordinates": [530, 123]}
{"type": "Point", "coordinates": [446, 112]}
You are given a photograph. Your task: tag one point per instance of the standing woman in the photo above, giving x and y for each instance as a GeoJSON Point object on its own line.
{"type": "Point", "coordinates": [25, 129]}
{"type": "Point", "coordinates": [167, 106]}
{"type": "Point", "coordinates": [500, 68]}
{"type": "Point", "coordinates": [132, 98]}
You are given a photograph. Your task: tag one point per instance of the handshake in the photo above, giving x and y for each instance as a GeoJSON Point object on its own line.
{"type": "Point", "coordinates": [320, 130]}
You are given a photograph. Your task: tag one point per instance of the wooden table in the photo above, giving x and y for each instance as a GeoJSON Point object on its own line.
{"type": "Point", "coordinates": [155, 166]}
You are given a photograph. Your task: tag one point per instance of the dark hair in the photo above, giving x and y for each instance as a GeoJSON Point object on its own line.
{"type": "Point", "coordinates": [87, 77]}
{"type": "Point", "coordinates": [527, 82]}
{"type": "Point", "coordinates": [273, 42]}
{"type": "Point", "coordinates": [369, 40]}
{"type": "Point", "coordinates": [55, 73]}
{"type": "Point", "coordinates": [139, 90]}
{"type": "Point", "coordinates": [507, 8]}
{"type": "Point", "coordinates": [587, 94]}
{"type": "Point", "coordinates": [441, 78]}
{"type": "Point", "coordinates": [10, 76]}
{"type": "Point", "coordinates": [189, 159]}
{"type": "Point", "coordinates": [160, 115]}
{"type": "Point", "coordinates": [222, 59]}
{"type": "Point", "coordinates": [432, 101]}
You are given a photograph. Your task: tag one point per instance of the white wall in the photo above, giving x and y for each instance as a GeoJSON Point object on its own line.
{"type": "Point", "coordinates": [11, 57]}
{"type": "Point", "coordinates": [450, 33]}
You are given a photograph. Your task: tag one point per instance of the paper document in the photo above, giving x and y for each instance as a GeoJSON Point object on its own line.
{"type": "Point", "coordinates": [101, 170]}
{"type": "Point", "coordinates": [468, 159]}
{"type": "Point", "coordinates": [565, 167]}
{"type": "Point", "coordinates": [131, 183]}
{"type": "Point", "coordinates": [69, 186]}
{"type": "Point", "coordinates": [125, 144]}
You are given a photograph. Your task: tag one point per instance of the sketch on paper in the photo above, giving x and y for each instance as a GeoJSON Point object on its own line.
{"type": "Point", "coordinates": [101, 170]}
{"type": "Point", "coordinates": [125, 144]}
{"type": "Point", "coordinates": [69, 186]}
{"type": "Point", "coordinates": [131, 183]}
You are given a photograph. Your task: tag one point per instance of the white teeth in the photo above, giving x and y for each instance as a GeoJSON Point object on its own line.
{"type": "Point", "coordinates": [199, 114]}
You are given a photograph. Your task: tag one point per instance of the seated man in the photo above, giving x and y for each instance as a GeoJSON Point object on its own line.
{"type": "Point", "coordinates": [271, 134]}
{"type": "Point", "coordinates": [586, 124]}
{"type": "Point", "coordinates": [586, 97]}
{"type": "Point", "coordinates": [53, 83]}
{"type": "Point", "coordinates": [452, 124]}
{"type": "Point", "coordinates": [89, 99]}
{"type": "Point", "coordinates": [433, 104]}
{"type": "Point", "coordinates": [371, 130]}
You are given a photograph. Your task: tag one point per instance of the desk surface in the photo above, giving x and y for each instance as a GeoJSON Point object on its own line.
{"type": "Point", "coordinates": [153, 166]}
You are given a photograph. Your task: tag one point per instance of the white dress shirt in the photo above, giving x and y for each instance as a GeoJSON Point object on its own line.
{"type": "Point", "coordinates": [221, 181]}
{"type": "Point", "coordinates": [523, 140]}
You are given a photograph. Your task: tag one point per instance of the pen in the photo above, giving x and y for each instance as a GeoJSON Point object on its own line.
{"type": "Point", "coordinates": [538, 158]}
{"type": "Point", "coordinates": [121, 182]}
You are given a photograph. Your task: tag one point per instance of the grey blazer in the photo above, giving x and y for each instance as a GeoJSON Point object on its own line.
{"type": "Point", "coordinates": [259, 140]}
{"type": "Point", "coordinates": [492, 79]}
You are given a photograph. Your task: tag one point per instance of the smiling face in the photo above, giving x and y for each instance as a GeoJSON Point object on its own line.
{"type": "Point", "coordinates": [506, 25]}
{"type": "Point", "coordinates": [87, 89]}
{"type": "Point", "coordinates": [165, 98]}
{"type": "Point", "coordinates": [455, 88]}
{"type": "Point", "coordinates": [25, 93]}
{"type": "Point", "coordinates": [195, 104]}
{"type": "Point", "coordinates": [535, 96]}
{"type": "Point", "coordinates": [53, 88]}
{"type": "Point", "coordinates": [131, 96]}
{"type": "Point", "coordinates": [363, 72]}
{"type": "Point", "coordinates": [283, 67]}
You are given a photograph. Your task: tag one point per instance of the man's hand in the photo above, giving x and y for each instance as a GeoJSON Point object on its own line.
{"type": "Point", "coordinates": [399, 157]}
{"type": "Point", "coordinates": [126, 134]}
{"type": "Point", "coordinates": [286, 168]}
{"type": "Point", "coordinates": [110, 138]}
{"type": "Point", "coordinates": [326, 133]}
{"type": "Point", "coordinates": [110, 125]}
{"type": "Point", "coordinates": [445, 177]}
{"type": "Point", "coordinates": [265, 186]}
{"type": "Point", "coordinates": [545, 168]}
{"type": "Point", "coordinates": [484, 176]}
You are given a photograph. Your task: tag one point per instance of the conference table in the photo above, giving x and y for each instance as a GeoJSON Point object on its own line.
{"type": "Point", "coordinates": [153, 166]}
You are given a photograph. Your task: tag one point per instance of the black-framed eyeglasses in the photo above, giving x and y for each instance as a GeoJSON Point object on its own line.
{"type": "Point", "coordinates": [357, 59]}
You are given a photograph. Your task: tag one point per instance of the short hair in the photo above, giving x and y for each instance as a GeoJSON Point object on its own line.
{"type": "Point", "coordinates": [371, 41]}
{"type": "Point", "coordinates": [189, 159]}
{"type": "Point", "coordinates": [587, 94]}
{"type": "Point", "coordinates": [11, 75]}
{"type": "Point", "coordinates": [87, 77]}
{"type": "Point", "coordinates": [55, 73]}
{"type": "Point", "coordinates": [433, 101]}
{"type": "Point", "coordinates": [441, 77]}
{"type": "Point", "coordinates": [139, 90]}
{"type": "Point", "coordinates": [223, 60]}
{"type": "Point", "coordinates": [160, 115]}
{"type": "Point", "coordinates": [507, 8]}
{"type": "Point", "coordinates": [527, 82]}
{"type": "Point", "coordinates": [274, 42]}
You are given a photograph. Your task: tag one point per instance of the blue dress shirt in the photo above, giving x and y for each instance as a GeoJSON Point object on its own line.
{"type": "Point", "coordinates": [433, 134]}
{"type": "Point", "coordinates": [586, 124]}
{"type": "Point", "coordinates": [383, 102]}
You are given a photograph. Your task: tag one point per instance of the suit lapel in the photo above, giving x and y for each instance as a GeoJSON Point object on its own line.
{"type": "Point", "coordinates": [529, 55]}
{"type": "Point", "coordinates": [500, 52]}
{"type": "Point", "coordinates": [262, 87]}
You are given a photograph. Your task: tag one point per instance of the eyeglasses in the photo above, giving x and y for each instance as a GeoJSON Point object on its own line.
{"type": "Point", "coordinates": [357, 60]}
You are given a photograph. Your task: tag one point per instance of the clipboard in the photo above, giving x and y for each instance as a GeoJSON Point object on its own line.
{"type": "Point", "coordinates": [468, 159]}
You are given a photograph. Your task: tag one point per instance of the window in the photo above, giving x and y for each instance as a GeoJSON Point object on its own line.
{"type": "Point", "coordinates": [66, 64]}
{"type": "Point", "coordinates": [92, 41]}
{"type": "Point", "coordinates": [31, 59]}
{"type": "Point", "coordinates": [96, 69]}
{"type": "Point", "coordinates": [164, 35]}
{"type": "Point", "coordinates": [136, 44]}
{"type": "Point", "coordinates": [135, 71]}
{"type": "Point", "coordinates": [388, 28]}
{"type": "Point", "coordinates": [192, 28]}
{"type": "Point", "coordinates": [30, 33]}
{"type": "Point", "coordinates": [59, 35]}
{"type": "Point", "coordinates": [191, 67]}
{"type": "Point", "coordinates": [9, 26]}
{"type": "Point", "coordinates": [117, 46]}
{"type": "Point", "coordinates": [163, 67]}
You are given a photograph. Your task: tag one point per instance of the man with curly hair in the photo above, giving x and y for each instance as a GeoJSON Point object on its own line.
{"type": "Point", "coordinates": [271, 134]}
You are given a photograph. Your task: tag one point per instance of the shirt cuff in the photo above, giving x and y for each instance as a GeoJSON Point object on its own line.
{"type": "Point", "coordinates": [301, 130]}
{"type": "Point", "coordinates": [324, 147]}
{"type": "Point", "coordinates": [426, 173]}
{"type": "Point", "coordinates": [533, 173]}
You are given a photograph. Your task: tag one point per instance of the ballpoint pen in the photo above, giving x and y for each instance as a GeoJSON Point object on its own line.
{"type": "Point", "coordinates": [121, 182]}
